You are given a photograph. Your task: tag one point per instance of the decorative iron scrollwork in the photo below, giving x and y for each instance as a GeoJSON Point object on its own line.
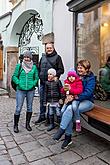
{"type": "Point", "coordinates": [33, 25]}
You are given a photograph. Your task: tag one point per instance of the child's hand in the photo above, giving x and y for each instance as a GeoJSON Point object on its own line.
{"type": "Point", "coordinates": [66, 101]}
{"type": "Point", "coordinates": [60, 101]}
{"type": "Point", "coordinates": [76, 97]}
{"type": "Point", "coordinates": [55, 78]}
{"type": "Point", "coordinates": [69, 98]}
{"type": "Point", "coordinates": [66, 87]}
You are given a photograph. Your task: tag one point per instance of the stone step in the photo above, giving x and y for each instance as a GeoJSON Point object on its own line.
{"type": "Point", "coordinates": [4, 92]}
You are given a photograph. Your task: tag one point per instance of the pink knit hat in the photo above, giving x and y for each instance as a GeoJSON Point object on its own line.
{"type": "Point", "coordinates": [72, 73]}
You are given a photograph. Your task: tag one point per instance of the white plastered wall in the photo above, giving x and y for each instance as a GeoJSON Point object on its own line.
{"type": "Point", "coordinates": [63, 30]}
{"type": "Point", "coordinates": [10, 25]}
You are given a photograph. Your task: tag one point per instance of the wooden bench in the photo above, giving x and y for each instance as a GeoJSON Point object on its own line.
{"type": "Point", "coordinates": [100, 113]}
{"type": "Point", "coordinates": [97, 121]}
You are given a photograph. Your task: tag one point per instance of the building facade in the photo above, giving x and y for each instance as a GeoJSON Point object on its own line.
{"type": "Point", "coordinates": [22, 26]}
{"type": "Point", "coordinates": [81, 33]}
{"type": "Point", "coordinates": [92, 31]}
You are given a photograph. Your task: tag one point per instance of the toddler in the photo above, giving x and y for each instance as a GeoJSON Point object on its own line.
{"type": "Point", "coordinates": [72, 87]}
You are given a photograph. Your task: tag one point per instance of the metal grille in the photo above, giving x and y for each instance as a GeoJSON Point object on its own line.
{"type": "Point", "coordinates": [33, 25]}
{"type": "Point", "coordinates": [34, 50]}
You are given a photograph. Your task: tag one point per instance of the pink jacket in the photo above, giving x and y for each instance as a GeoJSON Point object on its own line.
{"type": "Point", "coordinates": [76, 87]}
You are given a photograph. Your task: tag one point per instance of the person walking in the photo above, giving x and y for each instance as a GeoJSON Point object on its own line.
{"type": "Point", "coordinates": [48, 60]}
{"type": "Point", "coordinates": [26, 82]}
{"type": "Point", "coordinates": [85, 99]}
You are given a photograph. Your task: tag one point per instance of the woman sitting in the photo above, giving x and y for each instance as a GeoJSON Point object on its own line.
{"type": "Point", "coordinates": [85, 103]}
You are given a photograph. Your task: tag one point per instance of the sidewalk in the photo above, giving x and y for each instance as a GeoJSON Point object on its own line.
{"type": "Point", "coordinates": [38, 147]}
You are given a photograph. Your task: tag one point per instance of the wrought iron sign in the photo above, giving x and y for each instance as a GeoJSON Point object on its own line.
{"type": "Point", "coordinates": [33, 25]}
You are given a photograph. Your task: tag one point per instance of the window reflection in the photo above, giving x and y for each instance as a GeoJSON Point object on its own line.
{"type": "Point", "coordinates": [93, 36]}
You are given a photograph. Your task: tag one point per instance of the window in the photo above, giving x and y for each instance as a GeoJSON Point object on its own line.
{"type": "Point", "coordinates": [93, 35]}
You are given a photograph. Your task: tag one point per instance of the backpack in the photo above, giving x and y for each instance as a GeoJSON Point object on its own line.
{"type": "Point", "coordinates": [99, 93]}
{"type": "Point", "coordinates": [12, 82]}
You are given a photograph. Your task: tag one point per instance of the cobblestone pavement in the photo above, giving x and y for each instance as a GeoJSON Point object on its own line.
{"type": "Point", "coordinates": [38, 148]}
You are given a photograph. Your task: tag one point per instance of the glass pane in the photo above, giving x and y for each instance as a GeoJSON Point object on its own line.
{"type": "Point", "coordinates": [93, 35]}
{"type": "Point", "coordinates": [93, 38]}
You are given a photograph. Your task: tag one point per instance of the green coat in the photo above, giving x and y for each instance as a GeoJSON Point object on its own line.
{"type": "Point", "coordinates": [105, 78]}
{"type": "Point", "coordinates": [25, 81]}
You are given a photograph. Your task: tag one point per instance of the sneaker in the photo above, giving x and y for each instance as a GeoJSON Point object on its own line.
{"type": "Point", "coordinates": [40, 120]}
{"type": "Point", "coordinates": [78, 126]}
{"type": "Point", "coordinates": [66, 142]}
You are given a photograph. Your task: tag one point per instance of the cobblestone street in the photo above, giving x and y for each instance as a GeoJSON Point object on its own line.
{"type": "Point", "coordinates": [38, 147]}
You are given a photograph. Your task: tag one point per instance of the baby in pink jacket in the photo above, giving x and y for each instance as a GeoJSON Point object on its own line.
{"type": "Point", "coordinates": [72, 87]}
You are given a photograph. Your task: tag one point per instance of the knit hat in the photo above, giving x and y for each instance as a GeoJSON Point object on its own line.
{"type": "Point", "coordinates": [28, 54]}
{"type": "Point", "coordinates": [72, 73]}
{"type": "Point", "coordinates": [52, 71]}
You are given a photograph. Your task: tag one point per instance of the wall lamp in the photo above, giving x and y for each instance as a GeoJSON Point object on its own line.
{"type": "Point", "coordinates": [105, 24]}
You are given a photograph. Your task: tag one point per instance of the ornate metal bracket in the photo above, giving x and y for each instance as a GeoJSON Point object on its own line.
{"type": "Point", "coordinates": [34, 24]}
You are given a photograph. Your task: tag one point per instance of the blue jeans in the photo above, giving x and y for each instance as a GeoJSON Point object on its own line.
{"type": "Point", "coordinates": [42, 107]}
{"type": "Point", "coordinates": [75, 109]}
{"type": "Point", "coordinates": [20, 96]}
{"type": "Point", "coordinates": [53, 110]}
{"type": "Point", "coordinates": [68, 115]}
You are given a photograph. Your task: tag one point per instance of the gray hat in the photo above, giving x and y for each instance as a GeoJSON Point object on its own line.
{"type": "Point", "coordinates": [52, 71]}
{"type": "Point", "coordinates": [28, 54]}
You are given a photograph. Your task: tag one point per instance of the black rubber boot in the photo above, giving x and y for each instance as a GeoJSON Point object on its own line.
{"type": "Point", "coordinates": [40, 119]}
{"type": "Point", "coordinates": [52, 125]}
{"type": "Point", "coordinates": [58, 134]}
{"type": "Point", "coordinates": [66, 142]}
{"type": "Point", "coordinates": [28, 118]}
{"type": "Point", "coordinates": [16, 120]}
{"type": "Point", "coordinates": [47, 120]}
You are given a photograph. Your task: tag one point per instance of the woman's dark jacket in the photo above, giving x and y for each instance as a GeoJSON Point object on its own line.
{"type": "Point", "coordinates": [48, 61]}
{"type": "Point", "coordinates": [88, 87]}
{"type": "Point", "coordinates": [52, 91]}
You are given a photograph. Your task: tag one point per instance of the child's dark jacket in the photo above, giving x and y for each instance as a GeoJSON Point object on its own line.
{"type": "Point", "coordinates": [52, 91]}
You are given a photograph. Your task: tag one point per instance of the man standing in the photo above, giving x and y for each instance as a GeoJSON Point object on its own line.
{"type": "Point", "coordinates": [48, 60]}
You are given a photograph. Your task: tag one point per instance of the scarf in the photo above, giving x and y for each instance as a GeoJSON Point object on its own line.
{"type": "Point", "coordinates": [52, 54]}
{"type": "Point", "coordinates": [27, 66]}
